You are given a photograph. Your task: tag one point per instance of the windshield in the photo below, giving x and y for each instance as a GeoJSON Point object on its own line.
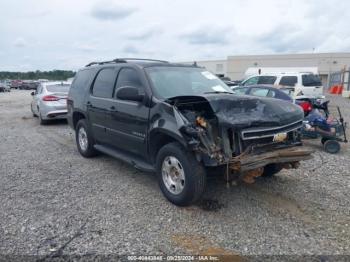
{"type": "Point", "coordinates": [58, 88]}
{"type": "Point", "coordinates": [184, 81]}
{"type": "Point", "coordinates": [311, 80]}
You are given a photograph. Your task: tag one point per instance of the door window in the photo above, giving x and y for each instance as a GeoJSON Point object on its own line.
{"type": "Point", "coordinates": [251, 81]}
{"type": "Point", "coordinates": [267, 80]}
{"type": "Point", "coordinates": [128, 77]}
{"type": "Point", "coordinates": [288, 81]}
{"type": "Point", "coordinates": [104, 83]}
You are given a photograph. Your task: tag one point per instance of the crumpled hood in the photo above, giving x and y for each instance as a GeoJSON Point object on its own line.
{"type": "Point", "coordinates": [240, 112]}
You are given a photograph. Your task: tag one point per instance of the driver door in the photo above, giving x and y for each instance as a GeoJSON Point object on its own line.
{"type": "Point", "coordinates": [128, 120]}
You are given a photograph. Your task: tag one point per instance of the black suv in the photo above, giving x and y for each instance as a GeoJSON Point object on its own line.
{"type": "Point", "coordinates": [178, 120]}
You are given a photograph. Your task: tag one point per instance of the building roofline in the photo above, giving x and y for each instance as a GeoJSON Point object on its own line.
{"type": "Point", "coordinates": [329, 54]}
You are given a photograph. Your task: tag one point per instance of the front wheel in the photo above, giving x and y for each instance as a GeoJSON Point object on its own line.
{"type": "Point", "coordinates": [181, 177]}
{"type": "Point", "coordinates": [331, 146]}
{"type": "Point", "coordinates": [84, 139]}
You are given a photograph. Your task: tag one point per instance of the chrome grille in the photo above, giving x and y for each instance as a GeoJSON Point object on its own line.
{"type": "Point", "coordinates": [255, 133]}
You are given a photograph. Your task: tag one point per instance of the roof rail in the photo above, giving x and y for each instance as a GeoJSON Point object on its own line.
{"type": "Point", "coordinates": [144, 59]}
{"type": "Point", "coordinates": [124, 60]}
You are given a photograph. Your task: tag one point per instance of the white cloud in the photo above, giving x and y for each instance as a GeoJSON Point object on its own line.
{"type": "Point", "coordinates": [108, 10]}
{"type": "Point", "coordinates": [19, 42]}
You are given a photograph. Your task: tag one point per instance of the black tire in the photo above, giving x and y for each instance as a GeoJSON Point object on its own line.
{"type": "Point", "coordinates": [194, 173]}
{"type": "Point", "coordinates": [31, 109]}
{"type": "Point", "coordinates": [89, 151]}
{"type": "Point", "coordinates": [323, 140]}
{"type": "Point", "coordinates": [331, 146]}
{"type": "Point", "coordinates": [271, 170]}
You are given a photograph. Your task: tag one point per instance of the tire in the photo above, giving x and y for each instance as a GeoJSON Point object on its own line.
{"type": "Point", "coordinates": [86, 150]}
{"type": "Point", "coordinates": [323, 140]}
{"type": "Point", "coordinates": [31, 109]}
{"type": "Point", "coordinates": [271, 170]}
{"type": "Point", "coordinates": [41, 120]}
{"type": "Point", "coordinates": [331, 146]}
{"type": "Point", "coordinates": [174, 160]}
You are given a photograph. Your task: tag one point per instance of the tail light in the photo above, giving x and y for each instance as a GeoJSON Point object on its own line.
{"type": "Point", "coordinates": [306, 106]}
{"type": "Point", "coordinates": [51, 98]}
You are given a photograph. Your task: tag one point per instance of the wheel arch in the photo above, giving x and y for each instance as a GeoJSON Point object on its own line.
{"type": "Point", "coordinates": [77, 115]}
{"type": "Point", "coordinates": [159, 138]}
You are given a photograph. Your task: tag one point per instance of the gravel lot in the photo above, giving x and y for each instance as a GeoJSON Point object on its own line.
{"type": "Point", "coordinates": [53, 201]}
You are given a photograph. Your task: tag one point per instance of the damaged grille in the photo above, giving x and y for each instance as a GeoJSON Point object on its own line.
{"type": "Point", "coordinates": [258, 133]}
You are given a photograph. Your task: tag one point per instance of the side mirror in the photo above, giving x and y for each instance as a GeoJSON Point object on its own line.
{"type": "Point", "coordinates": [130, 93]}
{"type": "Point", "coordinates": [32, 93]}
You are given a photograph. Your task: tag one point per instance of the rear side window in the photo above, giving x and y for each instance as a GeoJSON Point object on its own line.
{"type": "Point", "coordinates": [104, 83]}
{"type": "Point", "coordinates": [288, 80]}
{"type": "Point", "coordinates": [58, 88]}
{"type": "Point", "coordinates": [128, 77]}
{"type": "Point", "coordinates": [259, 92]}
{"type": "Point", "coordinates": [311, 80]}
{"type": "Point", "coordinates": [82, 79]}
{"type": "Point", "coordinates": [267, 80]}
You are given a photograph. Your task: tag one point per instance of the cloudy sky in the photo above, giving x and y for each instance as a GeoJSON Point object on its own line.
{"type": "Point", "coordinates": [62, 34]}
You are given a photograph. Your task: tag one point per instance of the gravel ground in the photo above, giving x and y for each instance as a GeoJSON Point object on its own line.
{"type": "Point", "coordinates": [53, 201]}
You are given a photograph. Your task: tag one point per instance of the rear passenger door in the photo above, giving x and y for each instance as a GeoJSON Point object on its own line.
{"type": "Point", "coordinates": [100, 101]}
{"type": "Point", "coordinates": [129, 119]}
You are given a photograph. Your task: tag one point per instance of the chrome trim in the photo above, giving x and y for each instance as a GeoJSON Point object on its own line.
{"type": "Point", "coordinates": [270, 129]}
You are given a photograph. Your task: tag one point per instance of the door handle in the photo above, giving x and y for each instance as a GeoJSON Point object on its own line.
{"type": "Point", "coordinates": [88, 103]}
{"type": "Point", "coordinates": [112, 108]}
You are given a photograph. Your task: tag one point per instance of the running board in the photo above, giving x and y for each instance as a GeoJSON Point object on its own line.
{"type": "Point", "coordinates": [126, 157]}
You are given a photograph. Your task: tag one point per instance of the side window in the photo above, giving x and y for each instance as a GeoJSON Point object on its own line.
{"type": "Point", "coordinates": [259, 92]}
{"type": "Point", "coordinates": [128, 77]}
{"type": "Point", "coordinates": [271, 93]}
{"type": "Point", "coordinates": [251, 81]}
{"type": "Point", "coordinates": [104, 83]}
{"type": "Point", "coordinates": [82, 79]}
{"type": "Point", "coordinates": [288, 80]}
{"type": "Point", "coordinates": [267, 80]}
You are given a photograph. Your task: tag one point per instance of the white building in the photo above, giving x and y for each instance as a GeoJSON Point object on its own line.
{"type": "Point", "coordinates": [235, 66]}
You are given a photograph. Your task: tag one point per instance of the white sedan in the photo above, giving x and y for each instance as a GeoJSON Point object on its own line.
{"type": "Point", "coordinates": [50, 101]}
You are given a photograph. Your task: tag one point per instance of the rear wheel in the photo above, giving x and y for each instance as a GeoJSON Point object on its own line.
{"type": "Point", "coordinates": [84, 139]}
{"type": "Point", "coordinates": [31, 109]}
{"type": "Point", "coordinates": [271, 169]}
{"type": "Point", "coordinates": [41, 120]}
{"type": "Point", "coordinates": [181, 177]}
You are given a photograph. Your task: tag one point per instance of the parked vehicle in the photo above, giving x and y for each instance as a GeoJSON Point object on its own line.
{"type": "Point", "coordinates": [4, 86]}
{"type": "Point", "coordinates": [29, 85]}
{"type": "Point", "coordinates": [50, 101]}
{"type": "Point", "coordinates": [252, 71]}
{"type": "Point", "coordinates": [232, 83]}
{"type": "Point", "coordinates": [16, 84]}
{"type": "Point", "coordinates": [263, 91]}
{"type": "Point", "coordinates": [304, 84]}
{"type": "Point", "coordinates": [177, 120]}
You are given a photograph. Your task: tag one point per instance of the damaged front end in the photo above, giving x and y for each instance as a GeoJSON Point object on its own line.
{"type": "Point", "coordinates": [245, 134]}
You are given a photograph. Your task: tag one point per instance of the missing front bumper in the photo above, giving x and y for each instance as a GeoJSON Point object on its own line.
{"type": "Point", "coordinates": [248, 162]}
